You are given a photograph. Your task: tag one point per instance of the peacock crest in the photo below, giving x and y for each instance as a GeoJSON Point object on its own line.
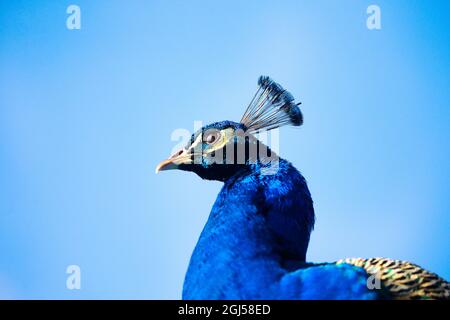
{"type": "Point", "coordinates": [271, 107]}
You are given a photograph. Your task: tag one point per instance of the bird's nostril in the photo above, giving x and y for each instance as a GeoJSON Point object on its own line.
{"type": "Point", "coordinates": [178, 153]}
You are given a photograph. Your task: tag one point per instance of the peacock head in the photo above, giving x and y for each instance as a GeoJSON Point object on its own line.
{"type": "Point", "coordinates": [222, 149]}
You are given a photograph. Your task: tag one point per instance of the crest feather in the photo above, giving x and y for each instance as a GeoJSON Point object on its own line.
{"type": "Point", "coordinates": [271, 107]}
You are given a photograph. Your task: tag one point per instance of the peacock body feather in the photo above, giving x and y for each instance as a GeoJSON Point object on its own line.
{"type": "Point", "coordinates": [403, 280]}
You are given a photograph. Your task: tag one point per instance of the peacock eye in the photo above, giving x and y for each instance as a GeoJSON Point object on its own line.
{"type": "Point", "coordinates": [212, 137]}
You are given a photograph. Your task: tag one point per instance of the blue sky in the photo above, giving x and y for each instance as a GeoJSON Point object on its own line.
{"type": "Point", "coordinates": [85, 116]}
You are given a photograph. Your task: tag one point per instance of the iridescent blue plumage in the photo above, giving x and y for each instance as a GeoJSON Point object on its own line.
{"type": "Point", "coordinates": [254, 243]}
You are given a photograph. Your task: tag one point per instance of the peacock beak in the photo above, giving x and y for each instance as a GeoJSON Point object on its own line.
{"type": "Point", "coordinates": [179, 158]}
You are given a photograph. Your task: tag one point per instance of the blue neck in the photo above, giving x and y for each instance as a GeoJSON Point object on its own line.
{"type": "Point", "coordinates": [257, 231]}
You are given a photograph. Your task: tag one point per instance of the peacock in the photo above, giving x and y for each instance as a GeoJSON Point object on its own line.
{"type": "Point", "coordinates": [255, 240]}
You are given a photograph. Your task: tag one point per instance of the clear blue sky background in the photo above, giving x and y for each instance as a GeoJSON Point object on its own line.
{"type": "Point", "coordinates": [85, 116]}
